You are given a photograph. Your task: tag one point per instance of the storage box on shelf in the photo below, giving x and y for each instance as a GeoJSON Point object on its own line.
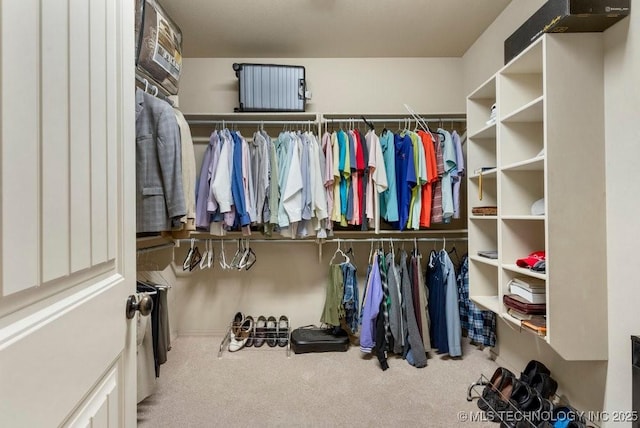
{"type": "Point", "coordinates": [548, 145]}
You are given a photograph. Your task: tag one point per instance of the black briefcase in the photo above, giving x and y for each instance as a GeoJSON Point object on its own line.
{"type": "Point", "coordinates": [314, 339]}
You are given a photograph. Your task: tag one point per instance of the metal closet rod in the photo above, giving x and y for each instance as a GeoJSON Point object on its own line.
{"type": "Point", "coordinates": [251, 122]}
{"type": "Point", "coordinates": [325, 241]}
{"type": "Point", "coordinates": [155, 248]}
{"type": "Point", "coordinates": [393, 119]}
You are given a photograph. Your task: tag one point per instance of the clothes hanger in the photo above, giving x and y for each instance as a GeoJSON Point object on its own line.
{"type": "Point", "coordinates": [205, 255]}
{"type": "Point", "coordinates": [248, 258]}
{"type": "Point", "coordinates": [196, 257]}
{"type": "Point", "coordinates": [350, 250]}
{"type": "Point", "coordinates": [186, 263]}
{"type": "Point", "coordinates": [222, 260]}
{"type": "Point", "coordinates": [210, 255]}
{"type": "Point", "coordinates": [339, 251]}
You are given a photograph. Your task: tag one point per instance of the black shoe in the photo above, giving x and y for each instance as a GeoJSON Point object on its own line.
{"type": "Point", "coordinates": [272, 331]}
{"type": "Point", "coordinates": [533, 368]}
{"type": "Point", "coordinates": [252, 333]}
{"type": "Point", "coordinates": [260, 331]}
{"type": "Point", "coordinates": [283, 331]}
{"type": "Point", "coordinates": [486, 401]}
{"type": "Point", "coordinates": [544, 385]}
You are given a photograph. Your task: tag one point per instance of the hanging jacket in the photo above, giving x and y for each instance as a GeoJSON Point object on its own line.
{"type": "Point", "coordinates": [414, 346]}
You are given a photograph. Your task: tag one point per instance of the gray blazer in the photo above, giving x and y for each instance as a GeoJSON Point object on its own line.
{"type": "Point", "coordinates": [159, 191]}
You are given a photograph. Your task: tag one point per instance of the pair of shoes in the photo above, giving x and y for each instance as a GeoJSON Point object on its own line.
{"type": "Point", "coordinates": [530, 398]}
{"type": "Point", "coordinates": [241, 329]}
{"type": "Point", "coordinates": [277, 331]}
{"type": "Point", "coordinates": [500, 385]}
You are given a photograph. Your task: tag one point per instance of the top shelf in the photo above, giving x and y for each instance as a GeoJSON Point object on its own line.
{"type": "Point", "coordinates": [528, 61]}
{"type": "Point", "coordinates": [487, 90]}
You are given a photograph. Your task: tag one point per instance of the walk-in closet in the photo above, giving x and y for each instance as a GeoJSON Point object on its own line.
{"type": "Point", "coordinates": [303, 213]}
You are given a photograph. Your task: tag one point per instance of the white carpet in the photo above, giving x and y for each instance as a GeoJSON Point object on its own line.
{"type": "Point", "coordinates": [262, 387]}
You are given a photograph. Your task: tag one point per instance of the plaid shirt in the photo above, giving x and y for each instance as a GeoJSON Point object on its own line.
{"type": "Point", "coordinates": [480, 325]}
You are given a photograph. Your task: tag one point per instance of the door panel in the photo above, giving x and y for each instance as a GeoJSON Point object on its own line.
{"type": "Point", "coordinates": [20, 144]}
{"type": "Point", "coordinates": [79, 128]}
{"type": "Point", "coordinates": [67, 213]}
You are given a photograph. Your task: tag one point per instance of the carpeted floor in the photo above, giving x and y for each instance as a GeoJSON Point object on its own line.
{"type": "Point", "coordinates": [262, 387]}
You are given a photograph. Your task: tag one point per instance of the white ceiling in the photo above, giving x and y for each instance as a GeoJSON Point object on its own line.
{"type": "Point", "coordinates": [330, 28]}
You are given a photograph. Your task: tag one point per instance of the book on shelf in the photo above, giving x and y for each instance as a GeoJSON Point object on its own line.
{"type": "Point", "coordinates": [519, 303]}
{"type": "Point", "coordinates": [534, 285]}
{"type": "Point", "coordinates": [521, 316]}
{"type": "Point", "coordinates": [537, 325]}
{"type": "Point", "coordinates": [528, 295]}
{"type": "Point", "coordinates": [486, 210]}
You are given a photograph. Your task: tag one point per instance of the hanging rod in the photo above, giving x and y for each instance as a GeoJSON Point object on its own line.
{"type": "Point", "coordinates": [155, 248]}
{"type": "Point", "coordinates": [325, 241]}
{"type": "Point", "coordinates": [250, 122]}
{"type": "Point", "coordinates": [393, 119]}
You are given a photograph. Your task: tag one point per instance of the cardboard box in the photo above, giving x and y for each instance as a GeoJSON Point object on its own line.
{"type": "Point", "coordinates": [566, 16]}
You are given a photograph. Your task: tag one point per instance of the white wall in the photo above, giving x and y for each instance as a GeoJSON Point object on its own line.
{"type": "Point", "coordinates": [589, 385]}
{"type": "Point", "coordinates": [339, 85]}
{"type": "Point", "coordinates": [622, 133]}
{"type": "Point", "coordinates": [486, 55]}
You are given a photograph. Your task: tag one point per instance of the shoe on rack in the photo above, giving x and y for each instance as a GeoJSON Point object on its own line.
{"type": "Point", "coordinates": [252, 333]}
{"type": "Point", "coordinates": [260, 331]}
{"type": "Point", "coordinates": [238, 341]}
{"type": "Point", "coordinates": [238, 318]}
{"type": "Point", "coordinates": [486, 401]}
{"type": "Point", "coordinates": [544, 385]}
{"type": "Point", "coordinates": [533, 368]}
{"type": "Point", "coordinates": [283, 331]}
{"type": "Point", "coordinates": [502, 407]}
{"type": "Point", "coordinates": [272, 331]}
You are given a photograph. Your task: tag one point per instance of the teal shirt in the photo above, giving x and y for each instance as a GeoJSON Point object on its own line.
{"type": "Point", "coordinates": [389, 198]}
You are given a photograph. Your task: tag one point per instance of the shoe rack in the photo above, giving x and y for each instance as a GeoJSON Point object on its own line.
{"type": "Point", "coordinates": [261, 332]}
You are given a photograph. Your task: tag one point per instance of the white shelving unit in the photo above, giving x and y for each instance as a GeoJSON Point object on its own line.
{"type": "Point", "coordinates": [547, 142]}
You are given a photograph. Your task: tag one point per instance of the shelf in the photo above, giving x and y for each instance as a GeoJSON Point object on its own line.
{"type": "Point", "coordinates": [484, 260]}
{"type": "Point", "coordinates": [530, 112]}
{"type": "Point", "coordinates": [517, 269]}
{"type": "Point", "coordinates": [533, 164]}
{"type": "Point", "coordinates": [524, 217]}
{"type": "Point", "coordinates": [486, 90]}
{"type": "Point", "coordinates": [483, 217]}
{"type": "Point", "coordinates": [528, 61]}
{"type": "Point", "coordinates": [491, 303]}
{"type": "Point", "coordinates": [488, 132]}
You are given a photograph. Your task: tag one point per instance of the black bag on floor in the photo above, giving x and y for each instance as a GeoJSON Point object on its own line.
{"type": "Point", "coordinates": [314, 339]}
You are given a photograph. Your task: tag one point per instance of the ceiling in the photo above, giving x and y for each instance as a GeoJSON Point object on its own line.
{"type": "Point", "coordinates": [330, 28]}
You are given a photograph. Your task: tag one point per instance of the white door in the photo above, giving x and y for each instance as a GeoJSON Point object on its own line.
{"type": "Point", "coordinates": [67, 213]}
